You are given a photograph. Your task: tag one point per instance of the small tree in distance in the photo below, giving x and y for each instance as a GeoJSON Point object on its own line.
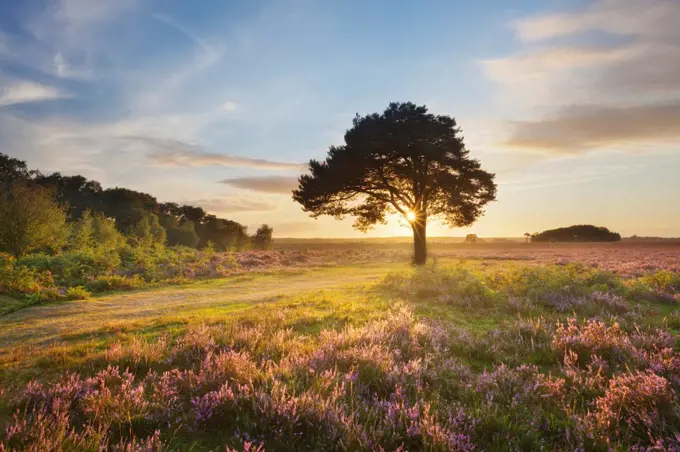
{"type": "Point", "coordinates": [262, 240]}
{"type": "Point", "coordinates": [405, 161]}
{"type": "Point", "coordinates": [527, 236]}
{"type": "Point", "coordinates": [31, 220]}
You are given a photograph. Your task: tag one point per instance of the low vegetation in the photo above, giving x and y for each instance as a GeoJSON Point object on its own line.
{"type": "Point", "coordinates": [63, 238]}
{"type": "Point", "coordinates": [476, 355]}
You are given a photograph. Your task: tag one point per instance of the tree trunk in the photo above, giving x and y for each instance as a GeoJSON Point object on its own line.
{"type": "Point", "coordinates": [419, 241]}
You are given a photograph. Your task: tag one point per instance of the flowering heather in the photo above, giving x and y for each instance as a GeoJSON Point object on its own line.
{"type": "Point", "coordinates": [638, 404]}
{"type": "Point", "coordinates": [510, 358]}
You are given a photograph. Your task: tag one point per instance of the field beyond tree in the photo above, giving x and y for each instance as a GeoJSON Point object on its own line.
{"type": "Point", "coordinates": [342, 346]}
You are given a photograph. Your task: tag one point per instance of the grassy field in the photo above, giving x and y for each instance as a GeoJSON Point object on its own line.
{"type": "Point", "coordinates": [501, 346]}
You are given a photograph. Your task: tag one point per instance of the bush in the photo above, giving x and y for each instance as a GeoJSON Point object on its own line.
{"type": "Point", "coordinates": [115, 282]}
{"type": "Point", "coordinates": [20, 279]}
{"type": "Point", "coordinates": [77, 293]}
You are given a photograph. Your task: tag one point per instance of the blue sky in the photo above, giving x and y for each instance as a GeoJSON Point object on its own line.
{"type": "Point", "coordinates": [575, 105]}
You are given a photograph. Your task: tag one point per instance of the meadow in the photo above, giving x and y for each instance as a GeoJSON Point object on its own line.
{"type": "Point", "coordinates": [344, 346]}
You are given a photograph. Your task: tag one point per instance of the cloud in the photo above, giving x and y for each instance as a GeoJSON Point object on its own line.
{"type": "Point", "coordinates": [580, 128]}
{"type": "Point", "coordinates": [656, 19]}
{"type": "Point", "coordinates": [67, 21]}
{"type": "Point", "coordinates": [267, 184]}
{"type": "Point", "coordinates": [232, 204]}
{"type": "Point", "coordinates": [229, 106]}
{"type": "Point", "coordinates": [602, 75]}
{"type": "Point", "coordinates": [200, 42]}
{"type": "Point", "coordinates": [25, 91]}
{"type": "Point", "coordinates": [175, 153]}
{"type": "Point", "coordinates": [64, 69]}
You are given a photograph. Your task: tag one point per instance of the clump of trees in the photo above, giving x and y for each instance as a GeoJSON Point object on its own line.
{"type": "Point", "coordinates": [403, 161]}
{"type": "Point", "coordinates": [471, 238]}
{"type": "Point", "coordinates": [47, 213]}
{"type": "Point", "coordinates": [577, 233]}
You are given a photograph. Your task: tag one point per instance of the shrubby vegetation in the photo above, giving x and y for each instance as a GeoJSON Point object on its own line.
{"type": "Point", "coordinates": [577, 233]}
{"type": "Point", "coordinates": [504, 357]}
{"type": "Point", "coordinates": [63, 237]}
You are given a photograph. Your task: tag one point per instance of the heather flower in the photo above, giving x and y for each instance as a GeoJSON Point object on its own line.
{"type": "Point", "coordinates": [635, 403]}
{"type": "Point", "coordinates": [593, 337]}
{"type": "Point", "coordinates": [206, 406]}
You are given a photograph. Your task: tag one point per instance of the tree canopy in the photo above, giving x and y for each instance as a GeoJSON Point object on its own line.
{"type": "Point", "coordinates": [577, 233]}
{"type": "Point", "coordinates": [31, 220]}
{"type": "Point", "coordinates": [138, 215]}
{"type": "Point", "coordinates": [403, 161]}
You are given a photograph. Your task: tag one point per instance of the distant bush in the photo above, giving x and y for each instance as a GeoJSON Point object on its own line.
{"type": "Point", "coordinates": [577, 233]}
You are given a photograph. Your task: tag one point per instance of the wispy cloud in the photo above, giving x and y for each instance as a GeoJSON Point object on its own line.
{"type": "Point", "coordinates": [232, 204]}
{"type": "Point", "coordinates": [195, 38]}
{"type": "Point", "coordinates": [25, 91]}
{"type": "Point", "coordinates": [283, 185]}
{"type": "Point", "coordinates": [65, 69]}
{"type": "Point", "coordinates": [229, 106]}
{"type": "Point", "coordinates": [587, 94]}
{"type": "Point", "coordinates": [175, 153]}
{"type": "Point", "coordinates": [65, 22]}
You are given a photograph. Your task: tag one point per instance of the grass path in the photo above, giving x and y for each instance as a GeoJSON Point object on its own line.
{"type": "Point", "coordinates": [45, 323]}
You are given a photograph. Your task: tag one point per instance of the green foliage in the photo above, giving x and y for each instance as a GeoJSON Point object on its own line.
{"type": "Point", "coordinates": [181, 235]}
{"type": "Point", "coordinates": [11, 171]}
{"type": "Point", "coordinates": [21, 279]}
{"type": "Point", "coordinates": [95, 213]}
{"type": "Point", "coordinates": [77, 293]}
{"type": "Point", "coordinates": [115, 282]}
{"type": "Point", "coordinates": [147, 231]}
{"type": "Point", "coordinates": [577, 233]}
{"type": "Point", "coordinates": [74, 267]}
{"type": "Point", "coordinates": [30, 220]}
{"type": "Point", "coordinates": [105, 235]}
{"type": "Point", "coordinates": [82, 233]}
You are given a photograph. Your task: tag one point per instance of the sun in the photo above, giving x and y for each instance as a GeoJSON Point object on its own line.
{"type": "Point", "coordinates": [411, 216]}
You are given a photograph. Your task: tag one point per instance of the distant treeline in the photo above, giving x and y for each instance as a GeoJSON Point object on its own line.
{"type": "Point", "coordinates": [577, 233]}
{"type": "Point", "coordinates": [637, 238]}
{"type": "Point", "coordinates": [132, 212]}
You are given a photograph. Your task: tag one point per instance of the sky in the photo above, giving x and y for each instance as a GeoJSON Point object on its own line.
{"type": "Point", "coordinates": [574, 105]}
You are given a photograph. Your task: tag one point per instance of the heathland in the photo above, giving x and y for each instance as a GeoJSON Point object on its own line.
{"type": "Point", "coordinates": [344, 346]}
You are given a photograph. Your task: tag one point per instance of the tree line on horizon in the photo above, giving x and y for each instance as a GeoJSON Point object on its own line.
{"type": "Point", "coordinates": [41, 212]}
{"type": "Point", "coordinates": [577, 233]}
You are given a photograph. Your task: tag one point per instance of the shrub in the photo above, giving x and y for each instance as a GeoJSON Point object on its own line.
{"type": "Point", "coordinates": [20, 279]}
{"type": "Point", "coordinates": [77, 293]}
{"type": "Point", "coordinates": [115, 282]}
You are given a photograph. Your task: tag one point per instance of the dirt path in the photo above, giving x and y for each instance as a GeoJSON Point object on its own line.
{"type": "Point", "coordinates": [50, 322]}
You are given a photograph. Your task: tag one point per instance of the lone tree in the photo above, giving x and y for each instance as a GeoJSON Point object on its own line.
{"type": "Point", "coordinates": [405, 161]}
{"type": "Point", "coordinates": [527, 236]}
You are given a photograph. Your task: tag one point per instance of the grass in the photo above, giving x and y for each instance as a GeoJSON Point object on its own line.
{"type": "Point", "coordinates": [352, 357]}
